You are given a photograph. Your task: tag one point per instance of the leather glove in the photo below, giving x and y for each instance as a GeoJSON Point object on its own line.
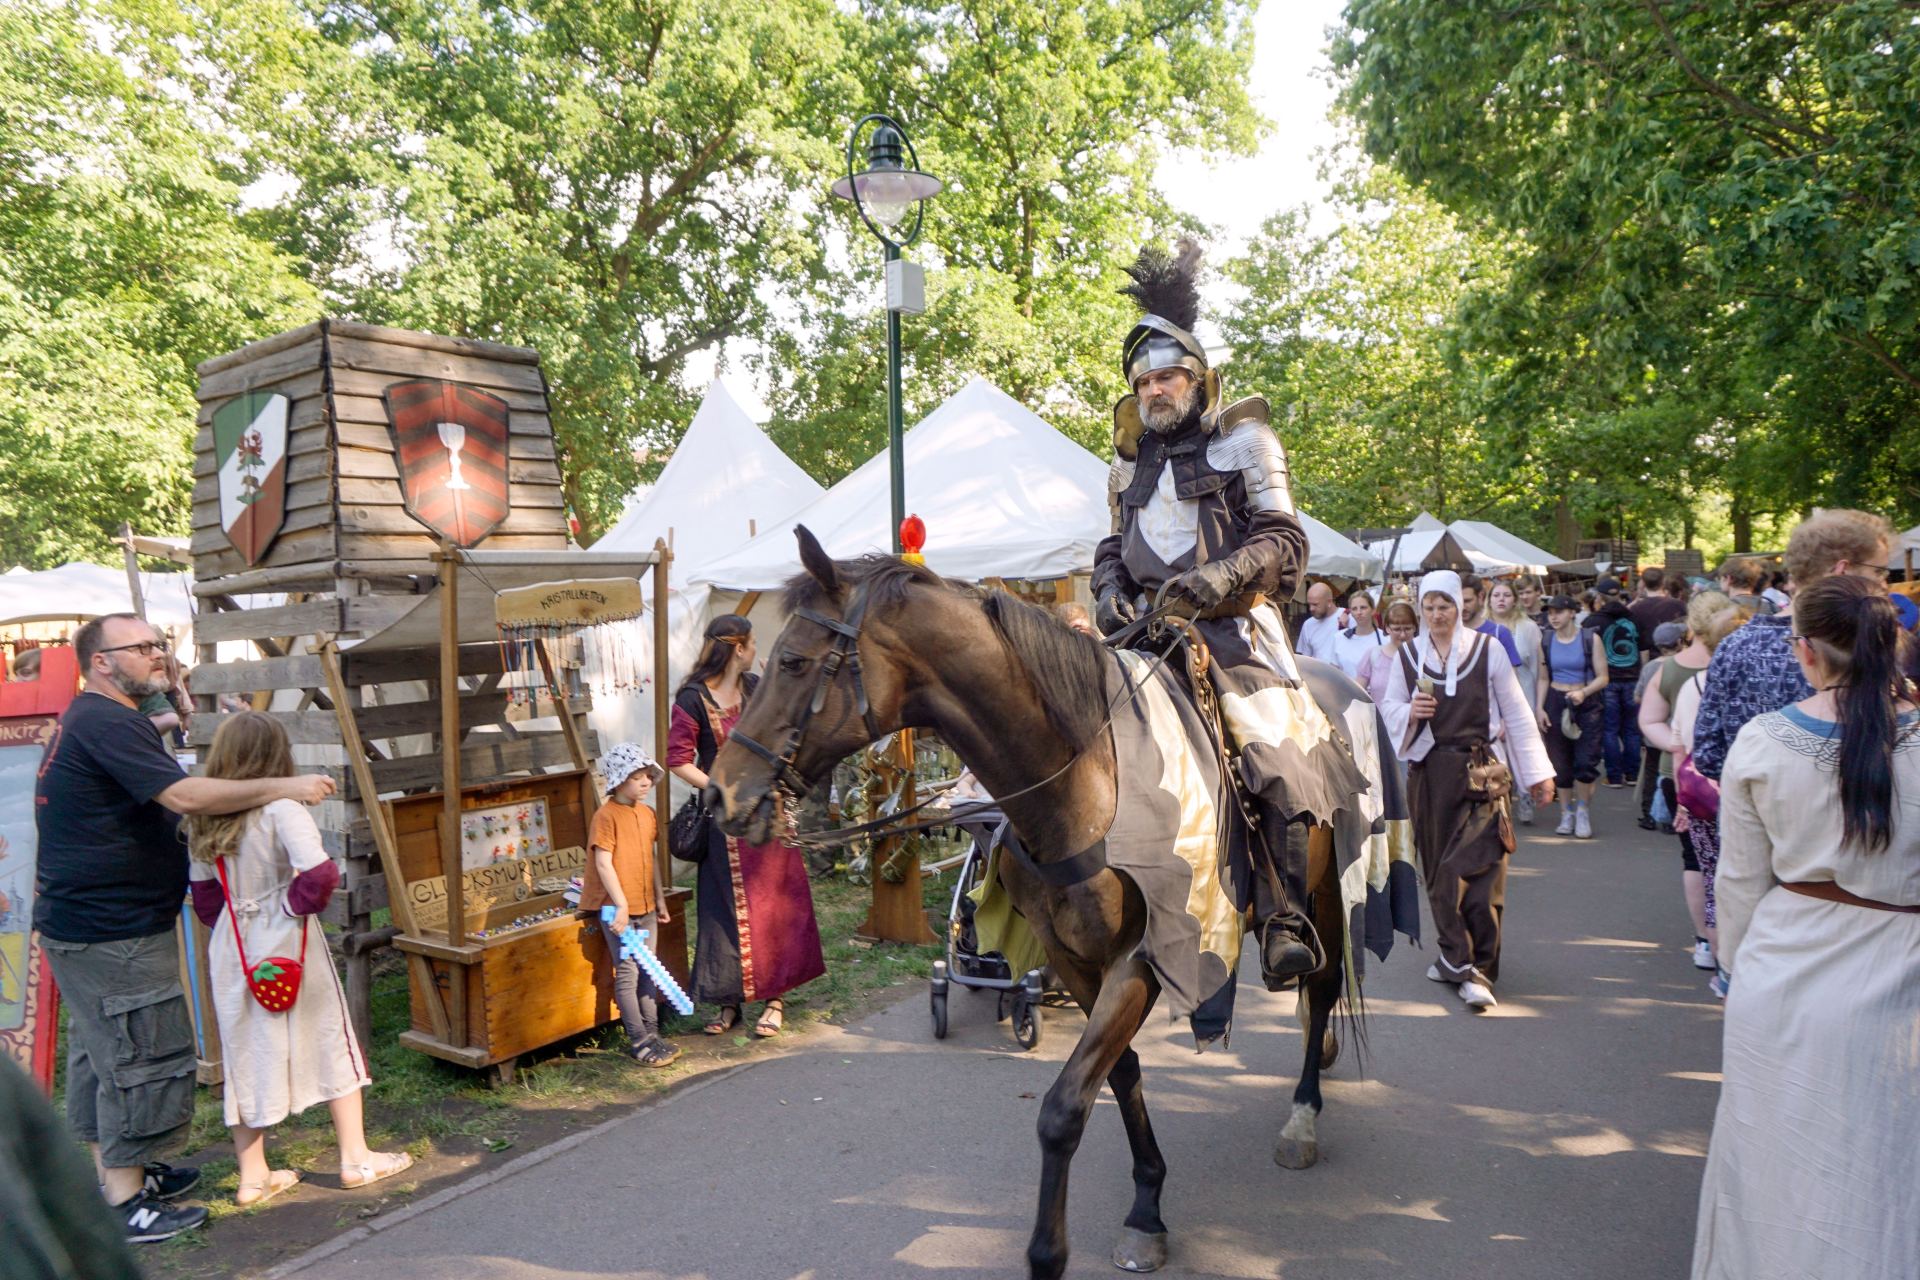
{"type": "Point", "coordinates": [1207, 585]}
{"type": "Point", "coordinates": [1113, 611]}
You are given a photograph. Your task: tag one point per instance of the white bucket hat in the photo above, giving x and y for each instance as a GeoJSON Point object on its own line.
{"type": "Point", "coordinates": [625, 759]}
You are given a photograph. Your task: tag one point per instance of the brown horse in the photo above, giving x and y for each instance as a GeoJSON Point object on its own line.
{"type": "Point", "coordinates": [877, 644]}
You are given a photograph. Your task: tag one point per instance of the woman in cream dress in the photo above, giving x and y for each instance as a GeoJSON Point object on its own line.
{"type": "Point", "coordinates": [1814, 1167]}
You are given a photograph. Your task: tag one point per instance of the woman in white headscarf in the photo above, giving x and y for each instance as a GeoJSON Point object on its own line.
{"type": "Point", "coordinates": [1451, 696]}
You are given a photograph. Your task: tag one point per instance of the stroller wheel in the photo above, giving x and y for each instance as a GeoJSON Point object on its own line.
{"type": "Point", "coordinates": [1026, 1023]}
{"type": "Point", "coordinates": [937, 998]}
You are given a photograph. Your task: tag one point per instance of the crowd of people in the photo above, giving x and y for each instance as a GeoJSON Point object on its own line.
{"type": "Point", "coordinates": [1771, 726]}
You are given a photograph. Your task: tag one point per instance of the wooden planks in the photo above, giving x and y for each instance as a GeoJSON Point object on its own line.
{"type": "Point", "coordinates": [304, 619]}
{"type": "Point", "coordinates": [493, 757]}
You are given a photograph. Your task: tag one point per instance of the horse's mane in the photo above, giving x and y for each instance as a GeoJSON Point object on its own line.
{"type": "Point", "coordinates": [1066, 666]}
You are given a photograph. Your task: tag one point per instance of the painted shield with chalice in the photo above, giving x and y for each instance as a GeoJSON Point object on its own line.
{"type": "Point", "coordinates": [450, 441]}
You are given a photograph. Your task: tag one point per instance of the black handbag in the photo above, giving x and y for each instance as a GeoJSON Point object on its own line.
{"type": "Point", "coordinates": [689, 833]}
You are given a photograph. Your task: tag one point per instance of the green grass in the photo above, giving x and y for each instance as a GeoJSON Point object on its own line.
{"type": "Point", "coordinates": [422, 1104]}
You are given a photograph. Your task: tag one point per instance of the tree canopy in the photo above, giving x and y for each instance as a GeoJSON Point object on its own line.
{"type": "Point", "coordinates": [1719, 208]}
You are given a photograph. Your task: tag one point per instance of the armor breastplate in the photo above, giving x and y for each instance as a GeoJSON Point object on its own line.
{"type": "Point", "coordinates": [1194, 475]}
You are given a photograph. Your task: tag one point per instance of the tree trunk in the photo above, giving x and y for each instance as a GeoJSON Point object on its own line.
{"type": "Point", "coordinates": [1566, 530]}
{"type": "Point", "coordinates": [1742, 526]}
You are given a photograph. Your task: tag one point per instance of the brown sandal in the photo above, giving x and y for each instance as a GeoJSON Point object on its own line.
{"type": "Point", "coordinates": [771, 1021]}
{"type": "Point", "coordinates": [728, 1019]}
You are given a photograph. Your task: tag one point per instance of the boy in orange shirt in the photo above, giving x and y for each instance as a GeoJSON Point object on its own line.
{"type": "Point", "coordinates": [621, 870]}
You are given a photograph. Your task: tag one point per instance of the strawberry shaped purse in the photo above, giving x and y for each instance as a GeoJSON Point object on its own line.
{"type": "Point", "coordinates": [275, 981]}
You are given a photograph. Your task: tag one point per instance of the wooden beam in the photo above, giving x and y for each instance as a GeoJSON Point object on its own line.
{"type": "Point", "coordinates": [377, 817]}
{"type": "Point", "coordinates": [662, 704]}
{"type": "Point", "coordinates": [310, 618]}
{"type": "Point", "coordinates": [450, 866]}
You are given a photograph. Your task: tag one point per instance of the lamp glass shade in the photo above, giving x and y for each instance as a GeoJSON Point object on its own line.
{"type": "Point", "coordinates": [888, 195]}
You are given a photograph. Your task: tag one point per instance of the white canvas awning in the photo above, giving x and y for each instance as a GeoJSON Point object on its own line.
{"type": "Point", "coordinates": [725, 481]}
{"type": "Point", "coordinates": [78, 591]}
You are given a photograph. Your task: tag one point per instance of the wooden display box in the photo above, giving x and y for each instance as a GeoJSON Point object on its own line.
{"type": "Point", "coordinates": [486, 1002]}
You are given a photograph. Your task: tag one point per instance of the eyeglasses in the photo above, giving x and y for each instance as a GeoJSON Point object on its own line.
{"type": "Point", "coordinates": [146, 648]}
{"type": "Point", "coordinates": [1793, 639]}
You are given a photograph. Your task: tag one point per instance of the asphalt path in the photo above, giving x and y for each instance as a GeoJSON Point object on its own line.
{"type": "Point", "coordinates": [1560, 1135]}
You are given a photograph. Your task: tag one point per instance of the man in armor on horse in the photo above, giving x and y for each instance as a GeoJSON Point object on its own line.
{"type": "Point", "coordinates": [1203, 512]}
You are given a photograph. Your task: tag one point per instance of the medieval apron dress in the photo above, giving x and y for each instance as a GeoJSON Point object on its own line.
{"type": "Point", "coordinates": [277, 1064]}
{"type": "Point", "coordinates": [757, 938]}
{"type": "Point", "coordinates": [1462, 830]}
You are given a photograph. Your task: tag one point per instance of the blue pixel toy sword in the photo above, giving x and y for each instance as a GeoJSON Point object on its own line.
{"type": "Point", "coordinates": [633, 946]}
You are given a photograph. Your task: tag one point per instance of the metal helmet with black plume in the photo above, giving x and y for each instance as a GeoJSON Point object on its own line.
{"type": "Point", "coordinates": [1167, 288]}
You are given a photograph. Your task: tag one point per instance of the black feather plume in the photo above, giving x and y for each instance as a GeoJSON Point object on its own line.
{"type": "Point", "coordinates": [1167, 284]}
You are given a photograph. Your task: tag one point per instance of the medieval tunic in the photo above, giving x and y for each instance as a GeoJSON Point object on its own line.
{"type": "Point", "coordinates": [756, 937]}
{"type": "Point", "coordinates": [1814, 1167]}
{"type": "Point", "coordinates": [1463, 837]}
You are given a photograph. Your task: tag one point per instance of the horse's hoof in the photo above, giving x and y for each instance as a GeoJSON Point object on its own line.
{"type": "Point", "coordinates": [1296, 1153]}
{"type": "Point", "coordinates": [1140, 1250]}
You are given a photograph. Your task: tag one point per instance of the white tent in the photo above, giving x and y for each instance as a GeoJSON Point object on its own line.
{"type": "Point", "coordinates": [1903, 545]}
{"type": "Point", "coordinates": [78, 591]}
{"type": "Point", "coordinates": [1487, 547]}
{"type": "Point", "coordinates": [1002, 493]}
{"type": "Point", "coordinates": [1332, 554]}
{"type": "Point", "coordinates": [1491, 539]}
{"type": "Point", "coordinates": [724, 482]}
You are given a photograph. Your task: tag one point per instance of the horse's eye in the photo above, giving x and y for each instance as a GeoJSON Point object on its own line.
{"type": "Point", "coordinates": [792, 663]}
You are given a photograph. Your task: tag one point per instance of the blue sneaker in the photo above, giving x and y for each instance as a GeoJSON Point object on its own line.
{"type": "Point", "coordinates": [1719, 982]}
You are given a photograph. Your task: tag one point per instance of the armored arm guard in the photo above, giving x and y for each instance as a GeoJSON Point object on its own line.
{"type": "Point", "coordinates": [1274, 551]}
{"type": "Point", "coordinates": [1109, 570]}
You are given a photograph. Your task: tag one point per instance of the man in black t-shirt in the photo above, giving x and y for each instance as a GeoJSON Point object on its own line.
{"type": "Point", "coordinates": [111, 874]}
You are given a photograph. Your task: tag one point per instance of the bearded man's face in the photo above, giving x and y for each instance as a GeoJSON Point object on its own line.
{"type": "Point", "coordinates": [1167, 396]}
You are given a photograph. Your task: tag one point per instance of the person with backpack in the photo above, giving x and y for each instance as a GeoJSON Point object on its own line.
{"type": "Point", "coordinates": [1567, 707]}
{"type": "Point", "coordinates": [1619, 635]}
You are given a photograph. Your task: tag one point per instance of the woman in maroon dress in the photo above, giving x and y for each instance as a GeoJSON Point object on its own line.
{"type": "Point", "coordinates": [756, 935]}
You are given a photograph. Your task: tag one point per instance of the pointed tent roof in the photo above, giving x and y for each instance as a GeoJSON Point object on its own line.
{"type": "Point", "coordinates": [724, 474]}
{"type": "Point", "coordinates": [1003, 495]}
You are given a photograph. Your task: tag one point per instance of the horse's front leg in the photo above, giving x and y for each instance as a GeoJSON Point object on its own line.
{"type": "Point", "coordinates": [1143, 1240]}
{"type": "Point", "coordinates": [1299, 1145]}
{"type": "Point", "coordinates": [1126, 993]}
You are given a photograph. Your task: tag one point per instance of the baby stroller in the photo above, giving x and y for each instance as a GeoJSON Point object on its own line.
{"type": "Point", "coordinates": [983, 930]}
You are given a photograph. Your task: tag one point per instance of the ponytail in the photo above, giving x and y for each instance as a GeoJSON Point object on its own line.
{"type": "Point", "coordinates": [1857, 633]}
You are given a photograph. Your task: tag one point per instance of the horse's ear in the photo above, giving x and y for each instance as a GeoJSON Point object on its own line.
{"type": "Point", "coordinates": [815, 560]}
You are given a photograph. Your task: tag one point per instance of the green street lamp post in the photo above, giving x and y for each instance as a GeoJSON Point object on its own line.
{"type": "Point", "coordinates": [889, 193]}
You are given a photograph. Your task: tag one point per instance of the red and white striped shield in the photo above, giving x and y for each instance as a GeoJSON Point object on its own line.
{"type": "Point", "coordinates": [250, 443]}
{"type": "Point", "coordinates": [450, 441]}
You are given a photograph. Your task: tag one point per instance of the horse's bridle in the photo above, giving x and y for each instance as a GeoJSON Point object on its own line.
{"type": "Point", "coordinates": [845, 653]}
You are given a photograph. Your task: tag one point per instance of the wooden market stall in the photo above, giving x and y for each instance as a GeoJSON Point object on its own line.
{"type": "Point", "coordinates": [387, 486]}
{"type": "Point", "coordinates": [500, 962]}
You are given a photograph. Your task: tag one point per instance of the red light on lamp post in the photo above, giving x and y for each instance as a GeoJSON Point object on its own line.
{"type": "Point", "coordinates": [913, 536]}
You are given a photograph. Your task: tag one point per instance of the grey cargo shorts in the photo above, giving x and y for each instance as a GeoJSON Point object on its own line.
{"type": "Point", "coordinates": [130, 1047]}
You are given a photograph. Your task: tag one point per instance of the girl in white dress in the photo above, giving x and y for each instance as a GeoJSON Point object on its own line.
{"type": "Point", "coordinates": [1815, 1157]}
{"type": "Point", "coordinates": [278, 878]}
